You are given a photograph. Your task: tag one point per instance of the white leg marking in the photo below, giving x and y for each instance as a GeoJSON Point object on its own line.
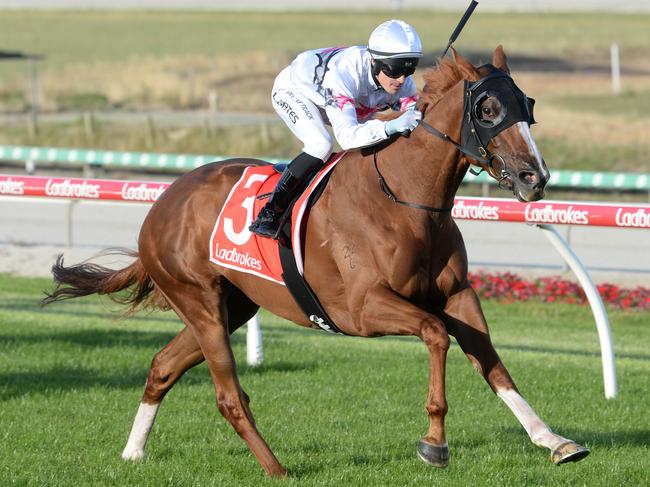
{"type": "Point", "coordinates": [524, 130]}
{"type": "Point", "coordinates": [540, 434]}
{"type": "Point", "coordinates": [142, 424]}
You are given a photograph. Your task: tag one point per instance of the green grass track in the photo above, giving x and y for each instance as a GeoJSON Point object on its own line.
{"type": "Point", "coordinates": [94, 36]}
{"type": "Point", "coordinates": [337, 411]}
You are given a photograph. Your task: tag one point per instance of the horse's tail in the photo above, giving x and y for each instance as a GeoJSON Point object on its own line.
{"type": "Point", "coordinates": [89, 278]}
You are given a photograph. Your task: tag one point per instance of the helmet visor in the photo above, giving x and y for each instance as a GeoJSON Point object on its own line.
{"type": "Point", "coordinates": [397, 67]}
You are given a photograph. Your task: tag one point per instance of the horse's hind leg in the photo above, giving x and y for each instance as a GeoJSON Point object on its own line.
{"type": "Point", "coordinates": [466, 322]}
{"type": "Point", "coordinates": [205, 312]}
{"type": "Point", "coordinates": [180, 355]}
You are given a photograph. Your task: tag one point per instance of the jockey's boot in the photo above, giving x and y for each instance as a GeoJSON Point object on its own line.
{"type": "Point", "coordinates": [294, 179]}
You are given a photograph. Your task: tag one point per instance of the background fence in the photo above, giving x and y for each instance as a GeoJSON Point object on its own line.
{"type": "Point", "coordinates": [151, 161]}
{"type": "Point", "coordinates": [487, 209]}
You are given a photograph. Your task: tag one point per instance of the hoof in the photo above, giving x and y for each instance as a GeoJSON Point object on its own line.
{"type": "Point", "coordinates": [567, 452]}
{"type": "Point", "coordinates": [133, 455]}
{"type": "Point", "coordinates": [438, 456]}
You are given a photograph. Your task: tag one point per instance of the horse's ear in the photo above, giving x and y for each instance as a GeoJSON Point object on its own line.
{"type": "Point", "coordinates": [466, 68]}
{"type": "Point", "coordinates": [499, 59]}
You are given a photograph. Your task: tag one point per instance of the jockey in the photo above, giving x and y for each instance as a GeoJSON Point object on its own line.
{"type": "Point", "coordinates": [344, 88]}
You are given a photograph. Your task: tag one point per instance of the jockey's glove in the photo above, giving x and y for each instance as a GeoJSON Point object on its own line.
{"type": "Point", "coordinates": [404, 123]}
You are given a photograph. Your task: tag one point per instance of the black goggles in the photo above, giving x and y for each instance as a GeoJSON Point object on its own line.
{"type": "Point", "coordinates": [396, 68]}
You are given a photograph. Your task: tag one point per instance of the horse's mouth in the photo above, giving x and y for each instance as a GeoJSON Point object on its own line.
{"type": "Point", "coordinates": [520, 197]}
{"type": "Point", "coordinates": [527, 194]}
{"type": "Point", "coordinates": [521, 193]}
{"type": "Point", "coordinates": [522, 178]}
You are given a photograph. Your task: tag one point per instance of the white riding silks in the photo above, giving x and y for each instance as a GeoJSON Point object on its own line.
{"type": "Point", "coordinates": [346, 94]}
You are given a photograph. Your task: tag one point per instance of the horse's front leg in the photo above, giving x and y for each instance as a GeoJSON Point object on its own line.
{"type": "Point", "coordinates": [386, 313]}
{"type": "Point", "coordinates": [466, 322]}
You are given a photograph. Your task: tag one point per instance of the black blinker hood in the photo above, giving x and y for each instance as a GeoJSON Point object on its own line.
{"type": "Point", "coordinates": [475, 134]}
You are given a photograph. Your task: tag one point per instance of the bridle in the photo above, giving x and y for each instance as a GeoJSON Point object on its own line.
{"type": "Point", "coordinates": [477, 133]}
{"type": "Point", "coordinates": [483, 159]}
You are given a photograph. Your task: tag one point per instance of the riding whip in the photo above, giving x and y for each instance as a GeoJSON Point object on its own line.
{"type": "Point", "coordinates": [460, 26]}
{"type": "Point", "coordinates": [453, 37]}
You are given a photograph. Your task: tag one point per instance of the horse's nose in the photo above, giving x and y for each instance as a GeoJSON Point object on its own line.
{"type": "Point", "coordinates": [529, 178]}
{"type": "Point", "coordinates": [534, 179]}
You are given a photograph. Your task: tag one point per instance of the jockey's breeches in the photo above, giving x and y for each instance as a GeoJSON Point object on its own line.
{"type": "Point", "coordinates": [302, 117]}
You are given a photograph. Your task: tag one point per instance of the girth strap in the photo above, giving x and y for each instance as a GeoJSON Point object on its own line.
{"type": "Point", "coordinates": [296, 283]}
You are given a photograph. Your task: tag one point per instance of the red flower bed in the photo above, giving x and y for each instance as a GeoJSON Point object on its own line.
{"type": "Point", "coordinates": [511, 287]}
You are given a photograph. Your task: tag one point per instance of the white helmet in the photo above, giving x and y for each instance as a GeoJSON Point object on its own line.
{"type": "Point", "coordinates": [394, 39]}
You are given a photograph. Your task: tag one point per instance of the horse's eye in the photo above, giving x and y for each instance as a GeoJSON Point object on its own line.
{"type": "Point", "coordinates": [489, 111]}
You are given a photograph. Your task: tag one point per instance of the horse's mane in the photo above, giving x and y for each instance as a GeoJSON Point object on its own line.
{"type": "Point", "coordinates": [438, 80]}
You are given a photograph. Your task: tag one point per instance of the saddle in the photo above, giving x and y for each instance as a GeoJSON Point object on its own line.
{"type": "Point", "coordinates": [233, 246]}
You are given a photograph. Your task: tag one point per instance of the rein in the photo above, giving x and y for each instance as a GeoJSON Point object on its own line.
{"type": "Point", "coordinates": [391, 196]}
{"type": "Point", "coordinates": [487, 162]}
{"type": "Point", "coordinates": [434, 131]}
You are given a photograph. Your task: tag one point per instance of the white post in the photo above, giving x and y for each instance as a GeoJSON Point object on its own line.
{"type": "Point", "coordinates": [254, 355]}
{"type": "Point", "coordinates": [616, 68]}
{"type": "Point", "coordinates": [597, 308]}
{"type": "Point", "coordinates": [213, 102]}
{"type": "Point", "coordinates": [33, 82]}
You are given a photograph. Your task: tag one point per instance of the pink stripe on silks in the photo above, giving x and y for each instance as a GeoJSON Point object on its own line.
{"type": "Point", "coordinates": [364, 112]}
{"type": "Point", "coordinates": [330, 49]}
{"type": "Point", "coordinates": [407, 102]}
{"type": "Point", "coordinates": [342, 100]}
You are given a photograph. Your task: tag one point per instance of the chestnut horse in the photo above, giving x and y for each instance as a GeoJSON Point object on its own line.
{"type": "Point", "coordinates": [409, 272]}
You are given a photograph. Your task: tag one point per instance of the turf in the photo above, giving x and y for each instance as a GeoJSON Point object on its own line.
{"type": "Point", "coordinates": [336, 410]}
{"type": "Point", "coordinates": [117, 36]}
